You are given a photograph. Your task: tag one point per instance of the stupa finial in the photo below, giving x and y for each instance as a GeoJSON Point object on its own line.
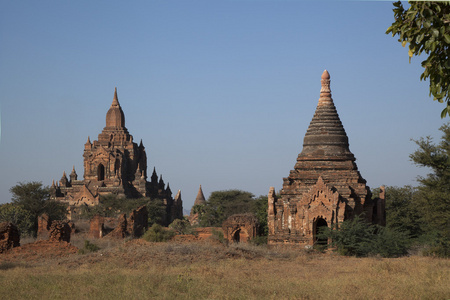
{"type": "Point", "coordinates": [325, 91]}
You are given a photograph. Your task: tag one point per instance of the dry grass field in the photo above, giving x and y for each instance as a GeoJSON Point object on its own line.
{"type": "Point", "coordinates": [137, 269]}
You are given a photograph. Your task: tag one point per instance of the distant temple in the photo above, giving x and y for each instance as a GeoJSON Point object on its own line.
{"type": "Point", "coordinates": [115, 165]}
{"type": "Point", "coordinates": [325, 188]}
{"type": "Point", "coordinates": [199, 200]}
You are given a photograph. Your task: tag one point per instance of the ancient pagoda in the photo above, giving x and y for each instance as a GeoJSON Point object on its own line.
{"type": "Point", "coordinates": [199, 200]}
{"type": "Point", "coordinates": [325, 187]}
{"type": "Point", "coordinates": [114, 164]}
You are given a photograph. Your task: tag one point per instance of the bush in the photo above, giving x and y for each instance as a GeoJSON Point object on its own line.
{"type": "Point", "coordinates": [259, 240]}
{"type": "Point", "coordinates": [157, 233]}
{"type": "Point", "coordinates": [19, 216]}
{"type": "Point", "coordinates": [88, 248]}
{"type": "Point", "coordinates": [389, 243]}
{"type": "Point", "coordinates": [182, 227]}
{"type": "Point", "coordinates": [358, 238]}
{"type": "Point", "coordinates": [217, 235]}
{"type": "Point", "coordinates": [435, 245]}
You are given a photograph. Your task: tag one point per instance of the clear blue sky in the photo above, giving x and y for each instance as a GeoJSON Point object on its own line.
{"type": "Point", "coordinates": [220, 92]}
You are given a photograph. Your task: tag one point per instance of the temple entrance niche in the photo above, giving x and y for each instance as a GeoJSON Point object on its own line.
{"type": "Point", "coordinates": [100, 172]}
{"type": "Point", "coordinates": [319, 225]}
{"type": "Point", "coordinates": [237, 236]}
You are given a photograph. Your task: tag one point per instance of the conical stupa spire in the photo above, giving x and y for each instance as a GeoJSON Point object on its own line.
{"type": "Point", "coordinates": [325, 91]}
{"type": "Point", "coordinates": [200, 199]}
{"type": "Point", "coordinates": [325, 138]}
{"type": "Point", "coordinates": [115, 99]}
{"type": "Point", "coordinates": [115, 116]}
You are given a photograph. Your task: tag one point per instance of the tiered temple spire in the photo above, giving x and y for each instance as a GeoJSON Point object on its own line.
{"type": "Point", "coordinates": [325, 138]}
{"type": "Point", "coordinates": [200, 199]}
{"type": "Point", "coordinates": [325, 187]}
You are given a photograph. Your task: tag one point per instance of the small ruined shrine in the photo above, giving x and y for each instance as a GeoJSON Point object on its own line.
{"type": "Point", "coordinates": [114, 164]}
{"type": "Point", "coordinates": [325, 187]}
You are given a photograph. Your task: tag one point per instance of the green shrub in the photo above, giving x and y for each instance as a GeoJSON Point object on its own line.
{"type": "Point", "coordinates": [217, 235]}
{"type": "Point", "coordinates": [358, 238]}
{"type": "Point", "coordinates": [182, 227]}
{"type": "Point", "coordinates": [259, 240]}
{"type": "Point", "coordinates": [435, 244]}
{"type": "Point", "coordinates": [157, 233]}
{"type": "Point", "coordinates": [88, 248]}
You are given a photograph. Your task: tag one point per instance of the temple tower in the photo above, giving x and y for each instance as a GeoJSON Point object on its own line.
{"type": "Point", "coordinates": [114, 164]}
{"type": "Point", "coordinates": [325, 187]}
{"type": "Point", "coordinates": [199, 200]}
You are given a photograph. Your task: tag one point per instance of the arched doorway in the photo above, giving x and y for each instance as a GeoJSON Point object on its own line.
{"type": "Point", "coordinates": [100, 172]}
{"type": "Point", "coordinates": [237, 236]}
{"type": "Point", "coordinates": [318, 225]}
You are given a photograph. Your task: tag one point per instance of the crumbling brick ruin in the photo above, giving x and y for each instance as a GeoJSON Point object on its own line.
{"type": "Point", "coordinates": [9, 236]}
{"type": "Point", "coordinates": [134, 226]}
{"type": "Point", "coordinates": [240, 228]}
{"type": "Point", "coordinates": [52, 230]}
{"type": "Point", "coordinates": [44, 223]}
{"type": "Point", "coordinates": [59, 232]}
{"type": "Point", "coordinates": [120, 231]}
{"type": "Point", "coordinates": [325, 188]}
{"type": "Point", "coordinates": [97, 227]}
{"type": "Point", "coordinates": [114, 164]}
{"type": "Point", "coordinates": [138, 222]}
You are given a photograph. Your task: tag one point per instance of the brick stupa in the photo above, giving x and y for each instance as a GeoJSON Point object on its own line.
{"type": "Point", "coordinates": [325, 187]}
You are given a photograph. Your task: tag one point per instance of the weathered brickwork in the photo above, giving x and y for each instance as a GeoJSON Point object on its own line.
{"type": "Point", "coordinates": [325, 187]}
{"type": "Point", "coordinates": [240, 228]}
{"type": "Point", "coordinates": [44, 223]}
{"type": "Point", "coordinates": [114, 164]}
{"type": "Point", "coordinates": [97, 227]}
{"type": "Point", "coordinates": [59, 231]}
{"type": "Point", "coordinates": [137, 223]}
{"type": "Point", "coordinates": [9, 236]}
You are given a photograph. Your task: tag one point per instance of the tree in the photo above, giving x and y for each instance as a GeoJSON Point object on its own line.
{"type": "Point", "coordinates": [222, 204]}
{"type": "Point", "coordinates": [260, 206]}
{"type": "Point", "coordinates": [19, 216]}
{"type": "Point", "coordinates": [403, 210]}
{"type": "Point", "coordinates": [425, 26]}
{"type": "Point", "coordinates": [181, 226]}
{"type": "Point", "coordinates": [157, 213]}
{"type": "Point", "coordinates": [356, 237]}
{"type": "Point", "coordinates": [35, 199]}
{"type": "Point", "coordinates": [434, 189]}
{"type": "Point", "coordinates": [113, 205]}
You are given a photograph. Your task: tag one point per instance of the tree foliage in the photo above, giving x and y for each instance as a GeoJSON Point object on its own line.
{"type": "Point", "coordinates": [222, 204]}
{"type": "Point", "coordinates": [19, 216]}
{"type": "Point", "coordinates": [157, 233]}
{"type": "Point", "coordinates": [34, 198]}
{"type": "Point", "coordinates": [181, 226]}
{"type": "Point", "coordinates": [434, 190]}
{"type": "Point", "coordinates": [402, 210]}
{"type": "Point", "coordinates": [425, 26]}
{"type": "Point", "coordinates": [356, 237]}
{"type": "Point", "coordinates": [112, 206]}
